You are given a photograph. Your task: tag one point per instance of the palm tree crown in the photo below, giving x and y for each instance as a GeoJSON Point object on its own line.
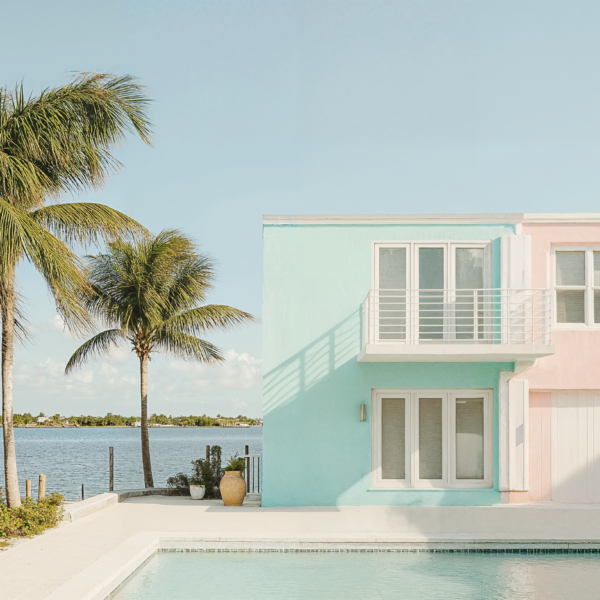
{"type": "Point", "coordinates": [150, 293]}
{"type": "Point", "coordinates": [55, 143]}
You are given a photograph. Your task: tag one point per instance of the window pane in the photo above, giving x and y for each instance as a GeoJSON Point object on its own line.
{"type": "Point", "coordinates": [570, 268]}
{"type": "Point", "coordinates": [469, 268]}
{"type": "Point", "coordinates": [469, 276]}
{"type": "Point", "coordinates": [393, 438]}
{"type": "Point", "coordinates": [597, 269]}
{"type": "Point", "coordinates": [596, 306]}
{"type": "Point", "coordinates": [392, 268]}
{"type": "Point", "coordinates": [431, 277]}
{"type": "Point", "coordinates": [570, 306]}
{"type": "Point", "coordinates": [469, 438]}
{"type": "Point", "coordinates": [430, 438]}
{"type": "Point", "coordinates": [392, 304]}
{"type": "Point", "coordinates": [431, 268]}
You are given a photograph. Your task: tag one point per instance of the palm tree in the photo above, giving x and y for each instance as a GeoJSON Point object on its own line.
{"type": "Point", "coordinates": [57, 142]}
{"type": "Point", "coordinates": [150, 293]}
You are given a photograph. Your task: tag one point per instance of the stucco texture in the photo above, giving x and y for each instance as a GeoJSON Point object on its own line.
{"type": "Point", "coordinates": [316, 451]}
{"type": "Point", "coordinates": [575, 365]}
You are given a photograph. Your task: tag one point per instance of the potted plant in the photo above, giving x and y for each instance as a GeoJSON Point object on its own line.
{"type": "Point", "coordinates": [233, 486]}
{"type": "Point", "coordinates": [204, 480]}
{"type": "Point", "coordinates": [197, 487]}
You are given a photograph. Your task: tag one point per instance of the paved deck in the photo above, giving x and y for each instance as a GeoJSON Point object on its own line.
{"type": "Point", "coordinates": [77, 561]}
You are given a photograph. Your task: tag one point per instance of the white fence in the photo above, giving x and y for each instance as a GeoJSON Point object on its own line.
{"type": "Point", "coordinates": [445, 316]}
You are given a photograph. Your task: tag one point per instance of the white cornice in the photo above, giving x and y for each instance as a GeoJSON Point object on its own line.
{"type": "Point", "coordinates": [561, 218]}
{"type": "Point", "coordinates": [431, 219]}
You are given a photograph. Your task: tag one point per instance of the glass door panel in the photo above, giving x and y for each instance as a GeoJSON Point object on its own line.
{"type": "Point", "coordinates": [431, 301]}
{"type": "Point", "coordinates": [392, 293]}
{"type": "Point", "coordinates": [431, 438]}
{"type": "Point", "coordinates": [469, 438]}
{"type": "Point", "coordinates": [469, 313]}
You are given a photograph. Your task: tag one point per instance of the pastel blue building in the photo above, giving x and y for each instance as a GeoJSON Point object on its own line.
{"type": "Point", "coordinates": [392, 347]}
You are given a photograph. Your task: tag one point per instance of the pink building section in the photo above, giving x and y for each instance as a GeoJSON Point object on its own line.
{"type": "Point", "coordinates": [574, 366]}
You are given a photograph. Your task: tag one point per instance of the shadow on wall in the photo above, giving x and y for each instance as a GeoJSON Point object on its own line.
{"type": "Point", "coordinates": [313, 363]}
{"type": "Point", "coordinates": [317, 452]}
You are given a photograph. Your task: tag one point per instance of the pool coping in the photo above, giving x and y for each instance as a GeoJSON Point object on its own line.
{"type": "Point", "coordinates": [102, 578]}
{"type": "Point", "coordinates": [78, 510]}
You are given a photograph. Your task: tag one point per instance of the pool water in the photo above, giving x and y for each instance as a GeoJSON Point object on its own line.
{"type": "Point", "coordinates": [365, 575]}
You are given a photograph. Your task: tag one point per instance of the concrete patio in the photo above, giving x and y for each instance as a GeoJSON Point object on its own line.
{"type": "Point", "coordinates": [88, 557]}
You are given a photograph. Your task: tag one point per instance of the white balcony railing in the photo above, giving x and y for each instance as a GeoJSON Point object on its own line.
{"type": "Point", "coordinates": [483, 316]}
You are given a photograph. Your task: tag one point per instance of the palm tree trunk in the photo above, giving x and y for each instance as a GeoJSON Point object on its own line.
{"type": "Point", "coordinates": [148, 481]}
{"type": "Point", "coordinates": [13, 497]}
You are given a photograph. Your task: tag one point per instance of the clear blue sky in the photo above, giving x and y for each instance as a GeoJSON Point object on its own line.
{"type": "Point", "coordinates": [317, 106]}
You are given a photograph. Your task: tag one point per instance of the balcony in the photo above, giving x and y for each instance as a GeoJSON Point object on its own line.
{"type": "Point", "coordinates": [445, 325]}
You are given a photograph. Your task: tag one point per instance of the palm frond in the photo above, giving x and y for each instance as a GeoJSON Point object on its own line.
{"type": "Point", "coordinates": [86, 222]}
{"type": "Point", "coordinates": [60, 268]}
{"type": "Point", "coordinates": [60, 141]}
{"type": "Point", "coordinates": [96, 347]}
{"type": "Point", "coordinates": [206, 318]}
{"type": "Point", "coordinates": [187, 347]}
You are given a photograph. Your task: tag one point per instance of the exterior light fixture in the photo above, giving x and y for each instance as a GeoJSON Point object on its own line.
{"type": "Point", "coordinates": [363, 412]}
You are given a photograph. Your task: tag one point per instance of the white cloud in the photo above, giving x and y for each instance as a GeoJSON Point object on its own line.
{"type": "Point", "coordinates": [110, 386]}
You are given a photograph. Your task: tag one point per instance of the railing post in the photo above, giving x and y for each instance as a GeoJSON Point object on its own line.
{"type": "Point", "coordinates": [207, 453]}
{"type": "Point", "coordinates": [247, 469]}
{"type": "Point", "coordinates": [111, 469]}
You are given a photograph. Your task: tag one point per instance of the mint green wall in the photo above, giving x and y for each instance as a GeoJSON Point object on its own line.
{"type": "Point", "coordinates": [316, 452]}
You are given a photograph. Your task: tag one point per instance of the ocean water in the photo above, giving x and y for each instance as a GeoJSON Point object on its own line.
{"type": "Point", "coordinates": [362, 576]}
{"type": "Point", "coordinates": [70, 457]}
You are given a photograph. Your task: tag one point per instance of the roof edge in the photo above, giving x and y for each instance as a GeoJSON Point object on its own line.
{"type": "Point", "coordinates": [425, 219]}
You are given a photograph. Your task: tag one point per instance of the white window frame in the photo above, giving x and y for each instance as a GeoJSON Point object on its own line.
{"type": "Point", "coordinates": [412, 279]}
{"type": "Point", "coordinates": [588, 288]}
{"type": "Point", "coordinates": [449, 480]}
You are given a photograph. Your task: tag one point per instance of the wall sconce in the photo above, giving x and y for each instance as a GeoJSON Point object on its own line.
{"type": "Point", "coordinates": [363, 412]}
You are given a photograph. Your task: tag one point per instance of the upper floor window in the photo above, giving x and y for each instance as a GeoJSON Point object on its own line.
{"type": "Point", "coordinates": [431, 291]}
{"type": "Point", "coordinates": [577, 286]}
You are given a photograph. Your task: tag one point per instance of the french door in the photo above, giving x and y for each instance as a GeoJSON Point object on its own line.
{"type": "Point", "coordinates": [431, 293]}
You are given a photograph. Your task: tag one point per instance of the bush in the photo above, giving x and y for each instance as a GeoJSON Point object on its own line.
{"type": "Point", "coordinates": [207, 473]}
{"type": "Point", "coordinates": [32, 517]}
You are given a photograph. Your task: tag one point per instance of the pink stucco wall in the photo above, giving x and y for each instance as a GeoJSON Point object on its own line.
{"type": "Point", "coordinates": [576, 364]}
{"type": "Point", "coordinates": [540, 430]}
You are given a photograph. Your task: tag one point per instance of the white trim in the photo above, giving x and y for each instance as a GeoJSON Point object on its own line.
{"type": "Point", "coordinates": [516, 219]}
{"type": "Point", "coordinates": [561, 218]}
{"type": "Point", "coordinates": [588, 287]}
{"type": "Point", "coordinates": [421, 219]}
{"type": "Point", "coordinates": [444, 352]}
{"type": "Point", "coordinates": [505, 377]}
{"type": "Point", "coordinates": [411, 480]}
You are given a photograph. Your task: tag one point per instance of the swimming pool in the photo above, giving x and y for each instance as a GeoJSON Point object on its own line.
{"type": "Point", "coordinates": [365, 575]}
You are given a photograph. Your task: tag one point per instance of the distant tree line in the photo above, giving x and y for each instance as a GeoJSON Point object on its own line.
{"type": "Point", "coordinates": [111, 420]}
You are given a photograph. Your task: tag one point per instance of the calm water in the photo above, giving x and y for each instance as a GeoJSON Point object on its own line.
{"type": "Point", "coordinates": [362, 576]}
{"type": "Point", "coordinates": [70, 457]}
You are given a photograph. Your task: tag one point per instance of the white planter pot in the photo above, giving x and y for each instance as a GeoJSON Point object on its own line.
{"type": "Point", "coordinates": [197, 492]}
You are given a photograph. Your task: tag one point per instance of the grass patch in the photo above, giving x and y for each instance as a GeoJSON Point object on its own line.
{"type": "Point", "coordinates": [31, 518]}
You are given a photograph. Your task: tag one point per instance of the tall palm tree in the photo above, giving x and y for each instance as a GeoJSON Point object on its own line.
{"type": "Point", "coordinates": [150, 293]}
{"type": "Point", "coordinates": [55, 143]}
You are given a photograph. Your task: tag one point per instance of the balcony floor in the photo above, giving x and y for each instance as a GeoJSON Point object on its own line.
{"type": "Point", "coordinates": [391, 352]}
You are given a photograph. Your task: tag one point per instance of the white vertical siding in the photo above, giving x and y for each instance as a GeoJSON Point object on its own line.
{"type": "Point", "coordinates": [576, 446]}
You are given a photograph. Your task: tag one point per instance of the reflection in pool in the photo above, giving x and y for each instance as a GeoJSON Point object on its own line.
{"type": "Point", "coordinates": [365, 575]}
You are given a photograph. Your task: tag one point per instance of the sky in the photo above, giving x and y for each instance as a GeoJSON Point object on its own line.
{"type": "Point", "coordinates": [314, 106]}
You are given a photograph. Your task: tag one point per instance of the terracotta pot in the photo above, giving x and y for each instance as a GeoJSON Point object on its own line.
{"type": "Point", "coordinates": [233, 488]}
{"type": "Point", "coordinates": [197, 491]}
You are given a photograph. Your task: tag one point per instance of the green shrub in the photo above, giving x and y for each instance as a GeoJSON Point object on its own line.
{"type": "Point", "coordinates": [32, 517]}
{"type": "Point", "coordinates": [207, 473]}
